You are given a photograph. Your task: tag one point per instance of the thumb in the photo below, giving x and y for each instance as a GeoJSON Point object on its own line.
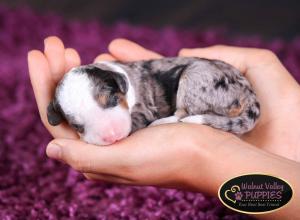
{"type": "Point", "coordinates": [85, 157]}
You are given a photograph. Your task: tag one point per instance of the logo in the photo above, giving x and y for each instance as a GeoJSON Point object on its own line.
{"type": "Point", "coordinates": [255, 193]}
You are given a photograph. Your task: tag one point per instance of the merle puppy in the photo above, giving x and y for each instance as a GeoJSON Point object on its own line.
{"type": "Point", "coordinates": [106, 101]}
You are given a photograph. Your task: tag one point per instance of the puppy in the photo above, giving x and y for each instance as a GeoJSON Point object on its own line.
{"type": "Point", "coordinates": [106, 101]}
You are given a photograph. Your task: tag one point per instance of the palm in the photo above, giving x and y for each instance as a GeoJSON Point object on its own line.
{"type": "Point", "coordinates": [280, 103]}
{"type": "Point", "coordinates": [277, 129]}
{"type": "Point", "coordinates": [278, 92]}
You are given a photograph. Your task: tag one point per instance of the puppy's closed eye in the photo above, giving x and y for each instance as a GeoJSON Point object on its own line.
{"type": "Point", "coordinates": [112, 100]}
{"type": "Point", "coordinates": [117, 99]}
{"type": "Point", "coordinates": [109, 100]}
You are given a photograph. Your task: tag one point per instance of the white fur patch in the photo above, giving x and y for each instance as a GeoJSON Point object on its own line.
{"type": "Point", "coordinates": [167, 120]}
{"type": "Point", "coordinates": [130, 95]}
{"type": "Point", "coordinates": [197, 119]}
{"type": "Point", "coordinates": [75, 97]}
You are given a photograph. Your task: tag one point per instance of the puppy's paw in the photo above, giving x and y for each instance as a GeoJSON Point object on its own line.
{"type": "Point", "coordinates": [167, 120]}
{"type": "Point", "coordinates": [197, 119]}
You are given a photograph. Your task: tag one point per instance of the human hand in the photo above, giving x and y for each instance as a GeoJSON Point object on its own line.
{"type": "Point", "coordinates": [183, 156]}
{"type": "Point", "coordinates": [279, 95]}
{"type": "Point", "coordinates": [177, 155]}
{"type": "Point", "coordinates": [45, 70]}
{"type": "Point", "coordinates": [128, 51]}
{"type": "Point", "coordinates": [277, 130]}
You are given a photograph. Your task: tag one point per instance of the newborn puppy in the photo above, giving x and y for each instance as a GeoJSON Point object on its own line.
{"type": "Point", "coordinates": [106, 101]}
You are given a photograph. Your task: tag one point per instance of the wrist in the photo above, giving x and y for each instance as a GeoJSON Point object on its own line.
{"type": "Point", "coordinates": [232, 158]}
{"type": "Point", "coordinates": [209, 150]}
{"type": "Point", "coordinates": [213, 163]}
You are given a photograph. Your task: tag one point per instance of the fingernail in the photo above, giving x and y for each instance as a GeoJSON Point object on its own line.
{"type": "Point", "coordinates": [54, 151]}
{"type": "Point", "coordinates": [29, 55]}
{"type": "Point", "coordinates": [46, 40]}
{"type": "Point", "coordinates": [45, 45]}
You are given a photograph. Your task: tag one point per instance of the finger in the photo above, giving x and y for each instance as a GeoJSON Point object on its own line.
{"type": "Point", "coordinates": [89, 158]}
{"type": "Point", "coordinates": [251, 61]}
{"type": "Point", "coordinates": [126, 50]}
{"type": "Point", "coordinates": [104, 57]}
{"type": "Point", "coordinates": [55, 54]}
{"type": "Point", "coordinates": [43, 87]}
{"type": "Point", "coordinates": [72, 59]}
{"type": "Point", "coordinates": [107, 178]}
{"type": "Point", "coordinates": [260, 65]}
{"type": "Point", "coordinates": [242, 58]}
{"type": "Point", "coordinates": [236, 56]}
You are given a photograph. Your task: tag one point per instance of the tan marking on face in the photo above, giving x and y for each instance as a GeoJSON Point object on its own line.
{"type": "Point", "coordinates": [123, 101]}
{"type": "Point", "coordinates": [102, 99]}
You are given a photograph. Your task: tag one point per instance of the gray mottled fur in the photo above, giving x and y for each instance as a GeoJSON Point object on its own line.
{"type": "Point", "coordinates": [206, 87]}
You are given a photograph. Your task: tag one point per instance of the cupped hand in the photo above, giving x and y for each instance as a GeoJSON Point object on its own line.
{"type": "Point", "coordinates": [152, 149]}
{"type": "Point", "coordinates": [181, 155]}
{"type": "Point", "coordinates": [279, 94]}
{"type": "Point", "coordinates": [166, 155]}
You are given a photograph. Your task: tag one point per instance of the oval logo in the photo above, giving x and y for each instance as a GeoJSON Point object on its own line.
{"type": "Point", "coordinates": [255, 193]}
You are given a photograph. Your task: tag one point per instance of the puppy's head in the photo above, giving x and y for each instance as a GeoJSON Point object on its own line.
{"type": "Point", "coordinates": [93, 102]}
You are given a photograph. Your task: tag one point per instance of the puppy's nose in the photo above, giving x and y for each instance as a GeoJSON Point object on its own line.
{"type": "Point", "coordinates": [110, 139]}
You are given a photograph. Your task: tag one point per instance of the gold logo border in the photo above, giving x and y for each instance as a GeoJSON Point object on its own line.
{"type": "Point", "coordinates": [255, 213]}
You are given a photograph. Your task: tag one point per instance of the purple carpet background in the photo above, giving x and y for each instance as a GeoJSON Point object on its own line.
{"type": "Point", "coordinates": [35, 187]}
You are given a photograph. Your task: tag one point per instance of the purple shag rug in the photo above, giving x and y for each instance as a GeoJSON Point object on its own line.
{"type": "Point", "coordinates": [35, 187]}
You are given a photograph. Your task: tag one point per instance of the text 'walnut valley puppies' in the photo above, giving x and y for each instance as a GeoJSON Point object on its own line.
{"type": "Point", "coordinates": [107, 101]}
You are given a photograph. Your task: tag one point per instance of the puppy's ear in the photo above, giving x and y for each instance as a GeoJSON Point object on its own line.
{"type": "Point", "coordinates": [54, 115]}
{"type": "Point", "coordinates": [121, 82]}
